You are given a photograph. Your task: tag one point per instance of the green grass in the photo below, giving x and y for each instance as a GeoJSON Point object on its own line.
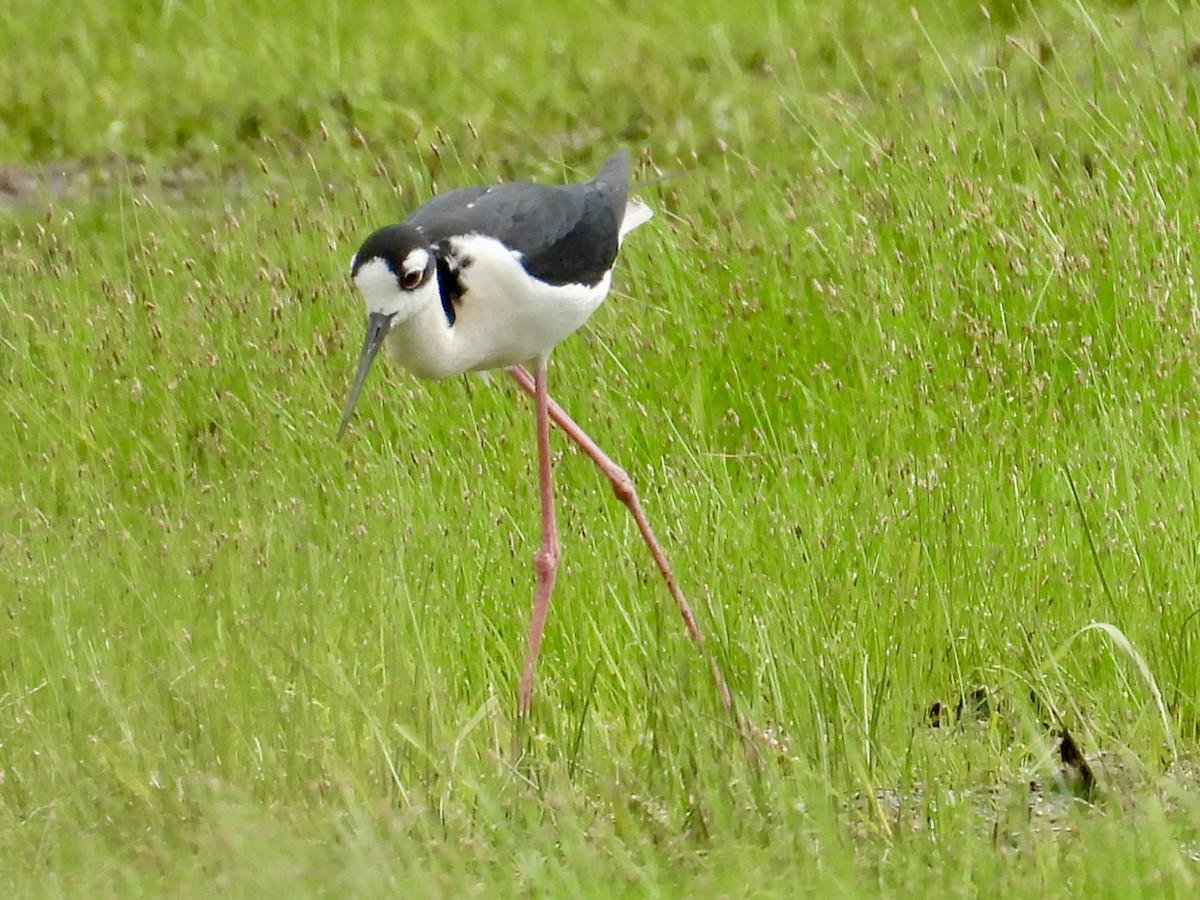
{"type": "Point", "coordinates": [904, 369]}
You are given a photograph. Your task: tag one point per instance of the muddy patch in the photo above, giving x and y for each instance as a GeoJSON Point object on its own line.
{"type": "Point", "coordinates": [23, 187]}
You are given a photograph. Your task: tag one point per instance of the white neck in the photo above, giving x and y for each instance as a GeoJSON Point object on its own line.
{"type": "Point", "coordinates": [425, 343]}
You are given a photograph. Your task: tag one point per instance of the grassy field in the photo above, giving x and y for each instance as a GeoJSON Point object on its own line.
{"type": "Point", "coordinates": [904, 368]}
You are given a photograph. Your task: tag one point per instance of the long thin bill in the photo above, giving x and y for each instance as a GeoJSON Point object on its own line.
{"type": "Point", "coordinates": [377, 329]}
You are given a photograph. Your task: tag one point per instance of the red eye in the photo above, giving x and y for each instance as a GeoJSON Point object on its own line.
{"type": "Point", "coordinates": [411, 279]}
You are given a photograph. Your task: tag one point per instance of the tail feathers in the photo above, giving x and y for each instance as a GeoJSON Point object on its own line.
{"type": "Point", "coordinates": [636, 213]}
{"type": "Point", "coordinates": [616, 170]}
{"type": "Point", "coordinates": [613, 181]}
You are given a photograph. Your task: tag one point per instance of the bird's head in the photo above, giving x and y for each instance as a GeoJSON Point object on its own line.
{"type": "Point", "coordinates": [395, 271]}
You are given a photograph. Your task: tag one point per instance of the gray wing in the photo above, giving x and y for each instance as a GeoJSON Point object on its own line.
{"type": "Point", "coordinates": [565, 234]}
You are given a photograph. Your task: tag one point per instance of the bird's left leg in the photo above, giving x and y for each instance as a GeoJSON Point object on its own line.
{"type": "Point", "coordinates": [622, 485]}
{"type": "Point", "coordinates": [545, 562]}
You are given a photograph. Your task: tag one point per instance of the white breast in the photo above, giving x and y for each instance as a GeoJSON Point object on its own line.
{"type": "Point", "coordinates": [505, 317]}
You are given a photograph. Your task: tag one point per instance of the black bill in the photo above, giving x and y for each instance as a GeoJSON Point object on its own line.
{"type": "Point", "coordinates": [377, 329]}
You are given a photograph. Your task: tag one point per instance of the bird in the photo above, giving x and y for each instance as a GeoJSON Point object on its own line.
{"type": "Point", "coordinates": [495, 277]}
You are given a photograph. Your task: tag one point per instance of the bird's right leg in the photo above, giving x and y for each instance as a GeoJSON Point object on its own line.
{"type": "Point", "coordinates": [622, 486]}
{"type": "Point", "coordinates": [545, 563]}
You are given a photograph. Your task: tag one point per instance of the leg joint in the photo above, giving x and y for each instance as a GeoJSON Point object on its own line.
{"type": "Point", "coordinates": [545, 561]}
{"type": "Point", "coordinates": [622, 485]}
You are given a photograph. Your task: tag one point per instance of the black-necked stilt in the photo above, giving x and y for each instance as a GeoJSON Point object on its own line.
{"type": "Point", "coordinates": [494, 277]}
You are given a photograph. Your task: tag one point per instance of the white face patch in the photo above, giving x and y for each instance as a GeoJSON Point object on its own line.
{"type": "Point", "coordinates": [377, 284]}
{"type": "Point", "coordinates": [382, 291]}
{"type": "Point", "coordinates": [416, 261]}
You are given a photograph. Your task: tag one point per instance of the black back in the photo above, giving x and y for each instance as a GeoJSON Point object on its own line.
{"type": "Point", "coordinates": [566, 234]}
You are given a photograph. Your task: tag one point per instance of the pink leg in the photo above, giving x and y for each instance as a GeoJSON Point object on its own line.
{"type": "Point", "coordinates": [622, 486]}
{"type": "Point", "coordinates": [545, 562]}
